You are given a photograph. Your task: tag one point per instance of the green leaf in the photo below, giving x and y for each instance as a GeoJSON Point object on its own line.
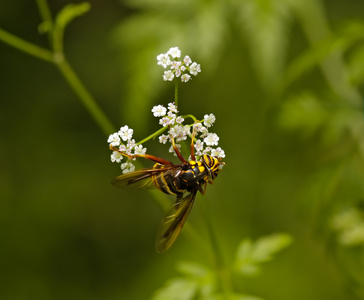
{"type": "Point", "coordinates": [250, 255]}
{"type": "Point", "coordinates": [192, 269]}
{"type": "Point", "coordinates": [177, 289]}
{"type": "Point", "coordinates": [205, 277]}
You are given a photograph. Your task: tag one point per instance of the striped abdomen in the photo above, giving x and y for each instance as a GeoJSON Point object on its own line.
{"type": "Point", "coordinates": [185, 178]}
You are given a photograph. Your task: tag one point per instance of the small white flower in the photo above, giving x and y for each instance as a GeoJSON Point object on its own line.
{"type": "Point", "coordinates": [198, 145]}
{"type": "Point", "coordinates": [116, 157]}
{"type": "Point", "coordinates": [179, 120]}
{"type": "Point", "coordinates": [163, 139]}
{"type": "Point", "coordinates": [195, 68]}
{"type": "Point", "coordinates": [122, 148]}
{"type": "Point", "coordinates": [168, 75]}
{"type": "Point", "coordinates": [176, 64]}
{"type": "Point", "coordinates": [140, 150]}
{"type": "Point", "coordinates": [218, 152]}
{"type": "Point", "coordinates": [171, 115]}
{"type": "Point", "coordinates": [127, 167]}
{"type": "Point", "coordinates": [180, 132]}
{"type": "Point", "coordinates": [174, 52]}
{"type": "Point", "coordinates": [172, 107]}
{"type": "Point", "coordinates": [163, 60]}
{"type": "Point", "coordinates": [130, 145]}
{"type": "Point", "coordinates": [209, 120]}
{"type": "Point", "coordinates": [178, 73]}
{"type": "Point", "coordinates": [125, 133]}
{"type": "Point", "coordinates": [176, 131]}
{"type": "Point", "coordinates": [159, 111]}
{"type": "Point", "coordinates": [114, 139]}
{"type": "Point", "coordinates": [186, 130]}
{"type": "Point", "coordinates": [187, 60]}
{"type": "Point", "coordinates": [199, 128]}
{"type": "Point", "coordinates": [207, 150]}
{"type": "Point", "coordinates": [211, 139]}
{"type": "Point", "coordinates": [185, 77]}
{"type": "Point", "coordinates": [165, 121]}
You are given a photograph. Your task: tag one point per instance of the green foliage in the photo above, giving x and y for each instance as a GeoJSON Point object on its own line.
{"type": "Point", "coordinates": [342, 40]}
{"type": "Point", "coordinates": [251, 255]}
{"type": "Point", "coordinates": [203, 283]}
{"type": "Point", "coordinates": [197, 280]}
{"type": "Point", "coordinates": [310, 66]}
{"type": "Point", "coordinates": [265, 23]}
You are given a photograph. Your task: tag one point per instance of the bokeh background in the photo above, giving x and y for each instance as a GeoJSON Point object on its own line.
{"type": "Point", "coordinates": [285, 82]}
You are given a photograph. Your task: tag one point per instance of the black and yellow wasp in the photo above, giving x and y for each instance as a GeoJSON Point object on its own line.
{"type": "Point", "coordinates": [183, 180]}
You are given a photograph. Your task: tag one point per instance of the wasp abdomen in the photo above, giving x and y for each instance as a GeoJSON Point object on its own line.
{"type": "Point", "coordinates": [167, 184]}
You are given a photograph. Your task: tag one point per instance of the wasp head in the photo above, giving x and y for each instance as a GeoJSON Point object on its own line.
{"type": "Point", "coordinates": [212, 164]}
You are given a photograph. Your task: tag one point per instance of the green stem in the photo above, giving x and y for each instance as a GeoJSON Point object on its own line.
{"type": "Point", "coordinates": [46, 16]}
{"type": "Point", "coordinates": [190, 116]}
{"type": "Point", "coordinates": [25, 46]}
{"type": "Point", "coordinates": [84, 96]}
{"type": "Point", "coordinates": [153, 135]}
{"type": "Point", "coordinates": [221, 269]}
{"type": "Point", "coordinates": [160, 131]}
{"type": "Point", "coordinates": [176, 92]}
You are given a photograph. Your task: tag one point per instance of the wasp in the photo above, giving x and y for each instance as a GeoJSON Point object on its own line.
{"type": "Point", "coordinates": [182, 180]}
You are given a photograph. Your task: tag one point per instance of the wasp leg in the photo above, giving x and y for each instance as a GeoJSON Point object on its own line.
{"type": "Point", "coordinates": [202, 189]}
{"type": "Point", "coordinates": [179, 154]}
{"type": "Point", "coordinates": [146, 156]}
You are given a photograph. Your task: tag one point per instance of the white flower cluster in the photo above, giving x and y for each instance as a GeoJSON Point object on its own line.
{"type": "Point", "coordinates": [178, 68]}
{"type": "Point", "coordinates": [203, 138]}
{"type": "Point", "coordinates": [130, 148]}
{"type": "Point", "coordinates": [123, 144]}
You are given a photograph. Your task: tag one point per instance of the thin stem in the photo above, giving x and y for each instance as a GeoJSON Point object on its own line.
{"type": "Point", "coordinates": [85, 96]}
{"type": "Point", "coordinates": [190, 116]}
{"type": "Point", "coordinates": [25, 46]}
{"type": "Point", "coordinates": [221, 269]}
{"type": "Point", "coordinates": [153, 135]}
{"type": "Point", "coordinates": [176, 92]}
{"type": "Point", "coordinates": [46, 16]}
{"type": "Point", "coordinates": [160, 131]}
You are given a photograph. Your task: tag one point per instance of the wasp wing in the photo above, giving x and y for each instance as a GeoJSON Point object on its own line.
{"type": "Point", "coordinates": [145, 178]}
{"type": "Point", "coordinates": [140, 179]}
{"type": "Point", "coordinates": [173, 222]}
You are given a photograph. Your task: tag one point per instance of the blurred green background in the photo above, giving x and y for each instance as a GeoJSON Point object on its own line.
{"type": "Point", "coordinates": [285, 82]}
